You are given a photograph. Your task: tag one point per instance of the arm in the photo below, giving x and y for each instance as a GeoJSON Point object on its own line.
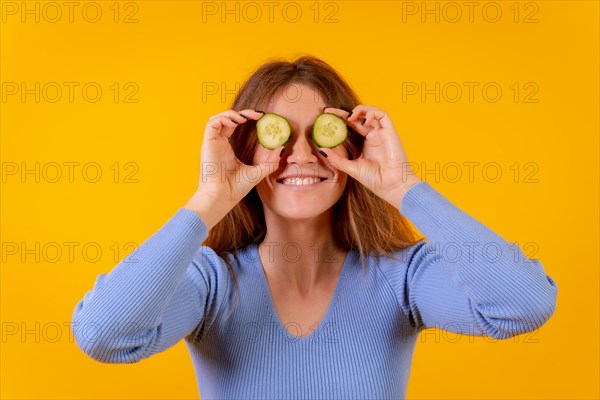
{"type": "Point", "coordinates": [141, 308]}
{"type": "Point", "coordinates": [473, 293]}
{"type": "Point", "coordinates": [172, 292]}
{"type": "Point", "coordinates": [467, 279]}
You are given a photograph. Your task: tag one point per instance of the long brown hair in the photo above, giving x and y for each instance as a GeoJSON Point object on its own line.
{"type": "Point", "coordinates": [364, 221]}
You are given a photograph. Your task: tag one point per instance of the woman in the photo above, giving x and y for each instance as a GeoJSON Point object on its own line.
{"type": "Point", "coordinates": [316, 290]}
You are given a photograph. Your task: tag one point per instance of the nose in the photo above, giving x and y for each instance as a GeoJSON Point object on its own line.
{"type": "Point", "coordinates": [302, 151]}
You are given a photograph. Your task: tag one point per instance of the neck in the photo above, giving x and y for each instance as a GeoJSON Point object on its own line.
{"type": "Point", "coordinates": [301, 253]}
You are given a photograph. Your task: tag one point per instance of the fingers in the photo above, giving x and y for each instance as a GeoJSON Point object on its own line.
{"type": "Point", "coordinates": [337, 111]}
{"type": "Point", "coordinates": [354, 118]}
{"type": "Point", "coordinates": [370, 116]}
{"type": "Point", "coordinates": [220, 126]}
{"type": "Point", "coordinates": [348, 117]}
{"type": "Point", "coordinates": [350, 167]}
{"type": "Point", "coordinates": [225, 122]}
{"type": "Point", "coordinates": [251, 114]}
{"type": "Point", "coordinates": [264, 169]}
{"type": "Point", "coordinates": [367, 116]}
{"type": "Point", "coordinates": [371, 119]}
{"type": "Point", "coordinates": [240, 116]}
{"type": "Point", "coordinates": [231, 114]}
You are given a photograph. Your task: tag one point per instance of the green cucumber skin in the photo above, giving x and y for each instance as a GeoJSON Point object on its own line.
{"type": "Point", "coordinates": [315, 135]}
{"type": "Point", "coordinates": [279, 118]}
{"type": "Point", "coordinates": [334, 144]}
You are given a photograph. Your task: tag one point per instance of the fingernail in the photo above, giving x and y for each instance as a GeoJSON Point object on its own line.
{"type": "Point", "coordinates": [260, 111]}
{"type": "Point", "coordinates": [323, 153]}
{"type": "Point", "coordinates": [325, 108]}
{"type": "Point", "coordinates": [281, 152]}
{"type": "Point", "coordinates": [363, 121]}
{"type": "Point", "coordinates": [349, 115]}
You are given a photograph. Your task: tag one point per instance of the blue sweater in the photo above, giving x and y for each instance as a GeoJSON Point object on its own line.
{"type": "Point", "coordinates": [464, 278]}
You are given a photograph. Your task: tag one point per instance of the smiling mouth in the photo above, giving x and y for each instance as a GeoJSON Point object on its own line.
{"type": "Point", "coordinates": [300, 181]}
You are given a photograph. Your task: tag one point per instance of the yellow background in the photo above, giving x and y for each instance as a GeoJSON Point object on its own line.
{"type": "Point", "coordinates": [170, 53]}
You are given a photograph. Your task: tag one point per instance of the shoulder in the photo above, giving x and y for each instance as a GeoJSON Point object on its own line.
{"type": "Point", "coordinates": [211, 268]}
{"type": "Point", "coordinates": [402, 266]}
{"type": "Point", "coordinates": [208, 262]}
{"type": "Point", "coordinates": [402, 258]}
{"type": "Point", "coordinates": [398, 269]}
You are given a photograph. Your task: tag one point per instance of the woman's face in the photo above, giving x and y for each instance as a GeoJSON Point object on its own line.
{"type": "Point", "coordinates": [300, 105]}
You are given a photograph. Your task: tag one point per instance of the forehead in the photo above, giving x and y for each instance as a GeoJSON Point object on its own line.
{"type": "Point", "coordinates": [298, 103]}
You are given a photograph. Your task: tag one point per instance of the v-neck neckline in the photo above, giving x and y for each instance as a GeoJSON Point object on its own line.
{"type": "Point", "coordinates": [273, 311]}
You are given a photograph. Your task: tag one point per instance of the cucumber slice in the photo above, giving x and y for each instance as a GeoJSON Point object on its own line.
{"type": "Point", "coordinates": [272, 130]}
{"type": "Point", "coordinates": [329, 130]}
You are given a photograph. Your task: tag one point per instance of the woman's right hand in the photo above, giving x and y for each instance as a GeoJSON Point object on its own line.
{"type": "Point", "coordinates": [224, 179]}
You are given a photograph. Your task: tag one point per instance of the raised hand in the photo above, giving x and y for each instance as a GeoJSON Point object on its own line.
{"type": "Point", "coordinates": [383, 165]}
{"type": "Point", "coordinates": [224, 179]}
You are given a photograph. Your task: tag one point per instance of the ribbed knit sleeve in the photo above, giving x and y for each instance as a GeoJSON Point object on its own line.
{"type": "Point", "coordinates": [465, 278]}
{"type": "Point", "coordinates": [154, 297]}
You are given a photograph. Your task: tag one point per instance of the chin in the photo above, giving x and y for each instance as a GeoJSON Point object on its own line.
{"type": "Point", "coordinates": [301, 210]}
{"type": "Point", "coordinates": [300, 213]}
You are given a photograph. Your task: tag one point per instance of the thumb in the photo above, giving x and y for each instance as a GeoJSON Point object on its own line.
{"type": "Point", "coordinates": [341, 163]}
{"type": "Point", "coordinates": [270, 165]}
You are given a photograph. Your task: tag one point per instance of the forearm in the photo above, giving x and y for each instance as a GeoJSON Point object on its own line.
{"type": "Point", "coordinates": [126, 305]}
{"type": "Point", "coordinates": [510, 290]}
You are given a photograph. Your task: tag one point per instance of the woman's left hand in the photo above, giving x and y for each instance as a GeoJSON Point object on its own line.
{"type": "Point", "coordinates": [382, 166]}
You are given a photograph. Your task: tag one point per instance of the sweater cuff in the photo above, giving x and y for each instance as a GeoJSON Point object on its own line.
{"type": "Point", "coordinates": [190, 222]}
{"type": "Point", "coordinates": [416, 197]}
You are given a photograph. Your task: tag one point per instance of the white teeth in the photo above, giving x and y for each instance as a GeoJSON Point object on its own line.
{"type": "Point", "coordinates": [300, 181]}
